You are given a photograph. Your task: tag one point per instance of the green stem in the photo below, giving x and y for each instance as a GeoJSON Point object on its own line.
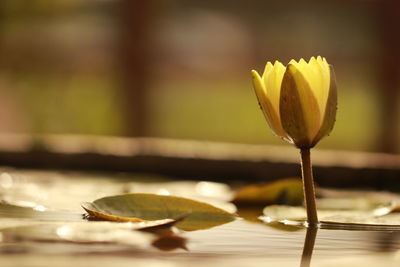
{"type": "Point", "coordinates": [308, 188]}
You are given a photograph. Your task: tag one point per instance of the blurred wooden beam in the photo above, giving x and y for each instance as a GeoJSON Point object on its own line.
{"type": "Point", "coordinates": [200, 160]}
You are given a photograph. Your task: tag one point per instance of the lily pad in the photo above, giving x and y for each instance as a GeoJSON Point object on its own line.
{"type": "Point", "coordinates": [138, 234]}
{"type": "Point", "coordinates": [148, 207]}
{"type": "Point", "coordinates": [284, 191]}
{"type": "Point", "coordinates": [81, 232]}
{"type": "Point", "coordinates": [39, 213]}
{"type": "Point", "coordinates": [360, 212]}
{"type": "Point", "coordinates": [356, 203]}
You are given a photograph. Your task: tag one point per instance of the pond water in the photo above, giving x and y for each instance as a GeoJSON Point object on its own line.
{"type": "Point", "coordinates": [53, 201]}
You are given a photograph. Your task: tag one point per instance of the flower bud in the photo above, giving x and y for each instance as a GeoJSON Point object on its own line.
{"type": "Point", "coordinates": [299, 101]}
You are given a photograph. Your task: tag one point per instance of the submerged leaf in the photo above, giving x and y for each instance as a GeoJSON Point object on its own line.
{"type": "Point", "coordinates": [148, 207]}
{"type": "Point", "coordinates": [284, 191]}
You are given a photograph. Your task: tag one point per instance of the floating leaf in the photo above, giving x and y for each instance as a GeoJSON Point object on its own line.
{"type": "Point", "coordinates": [358, 211]}
{"type": "Point", "coordinates": [80, 232]}
{"type": "Point", "coordinates": [147, 207]}
{"type": "Point", "coordinates": [356, 203]}
{"type": "Point", "coordinates": [99, 232]}
{"type": "Point", "coordinates": [216, 194]}
{"type": "Point", "coordinates": [38, 213]}
{"type": "Point", "coordinates": [284, 191]}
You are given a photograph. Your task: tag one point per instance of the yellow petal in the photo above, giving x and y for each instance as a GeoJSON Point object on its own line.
{"type": "Point", "coordinates": [330, 109]}
{"type": "Point", "coordinates": [299, 109]}
{"type": "Point", "coordinates": [271, 114]}
{"type": "Point", "coordinates": [268, 68]}
{"type": "Point", "coordinates": [316, 72]}
{"type": "Point", "coordinates": [272, 81]}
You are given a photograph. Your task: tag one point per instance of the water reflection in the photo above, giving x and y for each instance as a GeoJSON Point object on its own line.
{"type": "Point", "coordinates": [308, 247]}
{"type": "Point", "coordinates": [380, 240]}
{"type": "Point", "coordinates": [170, 243]}
{"type": "Point", "coordinates": [386, 241]}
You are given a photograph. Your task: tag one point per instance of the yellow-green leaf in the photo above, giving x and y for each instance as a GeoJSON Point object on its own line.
{"type": "Point", "coordinates": [284, 191]}
{"type": "Point", "coordinates": [148, 207]}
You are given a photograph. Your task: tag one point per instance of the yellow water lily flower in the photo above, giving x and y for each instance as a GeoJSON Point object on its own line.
{"type": "Point", "coordinates": [299, 101]}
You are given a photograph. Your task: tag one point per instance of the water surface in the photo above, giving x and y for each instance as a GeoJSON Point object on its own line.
{"type": "Point", "coordinates": [56, 197]}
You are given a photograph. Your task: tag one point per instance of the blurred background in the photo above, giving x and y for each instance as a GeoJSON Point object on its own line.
{"type": "Point", "coordinates": [181, 69]}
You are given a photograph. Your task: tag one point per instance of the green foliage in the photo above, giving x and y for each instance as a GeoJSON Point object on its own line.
{"type": "Point", "coordinates": [146, 207]}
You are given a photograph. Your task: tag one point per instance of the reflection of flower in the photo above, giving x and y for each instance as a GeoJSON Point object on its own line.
{"type": "Point", "coordinates": [299, 101]}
